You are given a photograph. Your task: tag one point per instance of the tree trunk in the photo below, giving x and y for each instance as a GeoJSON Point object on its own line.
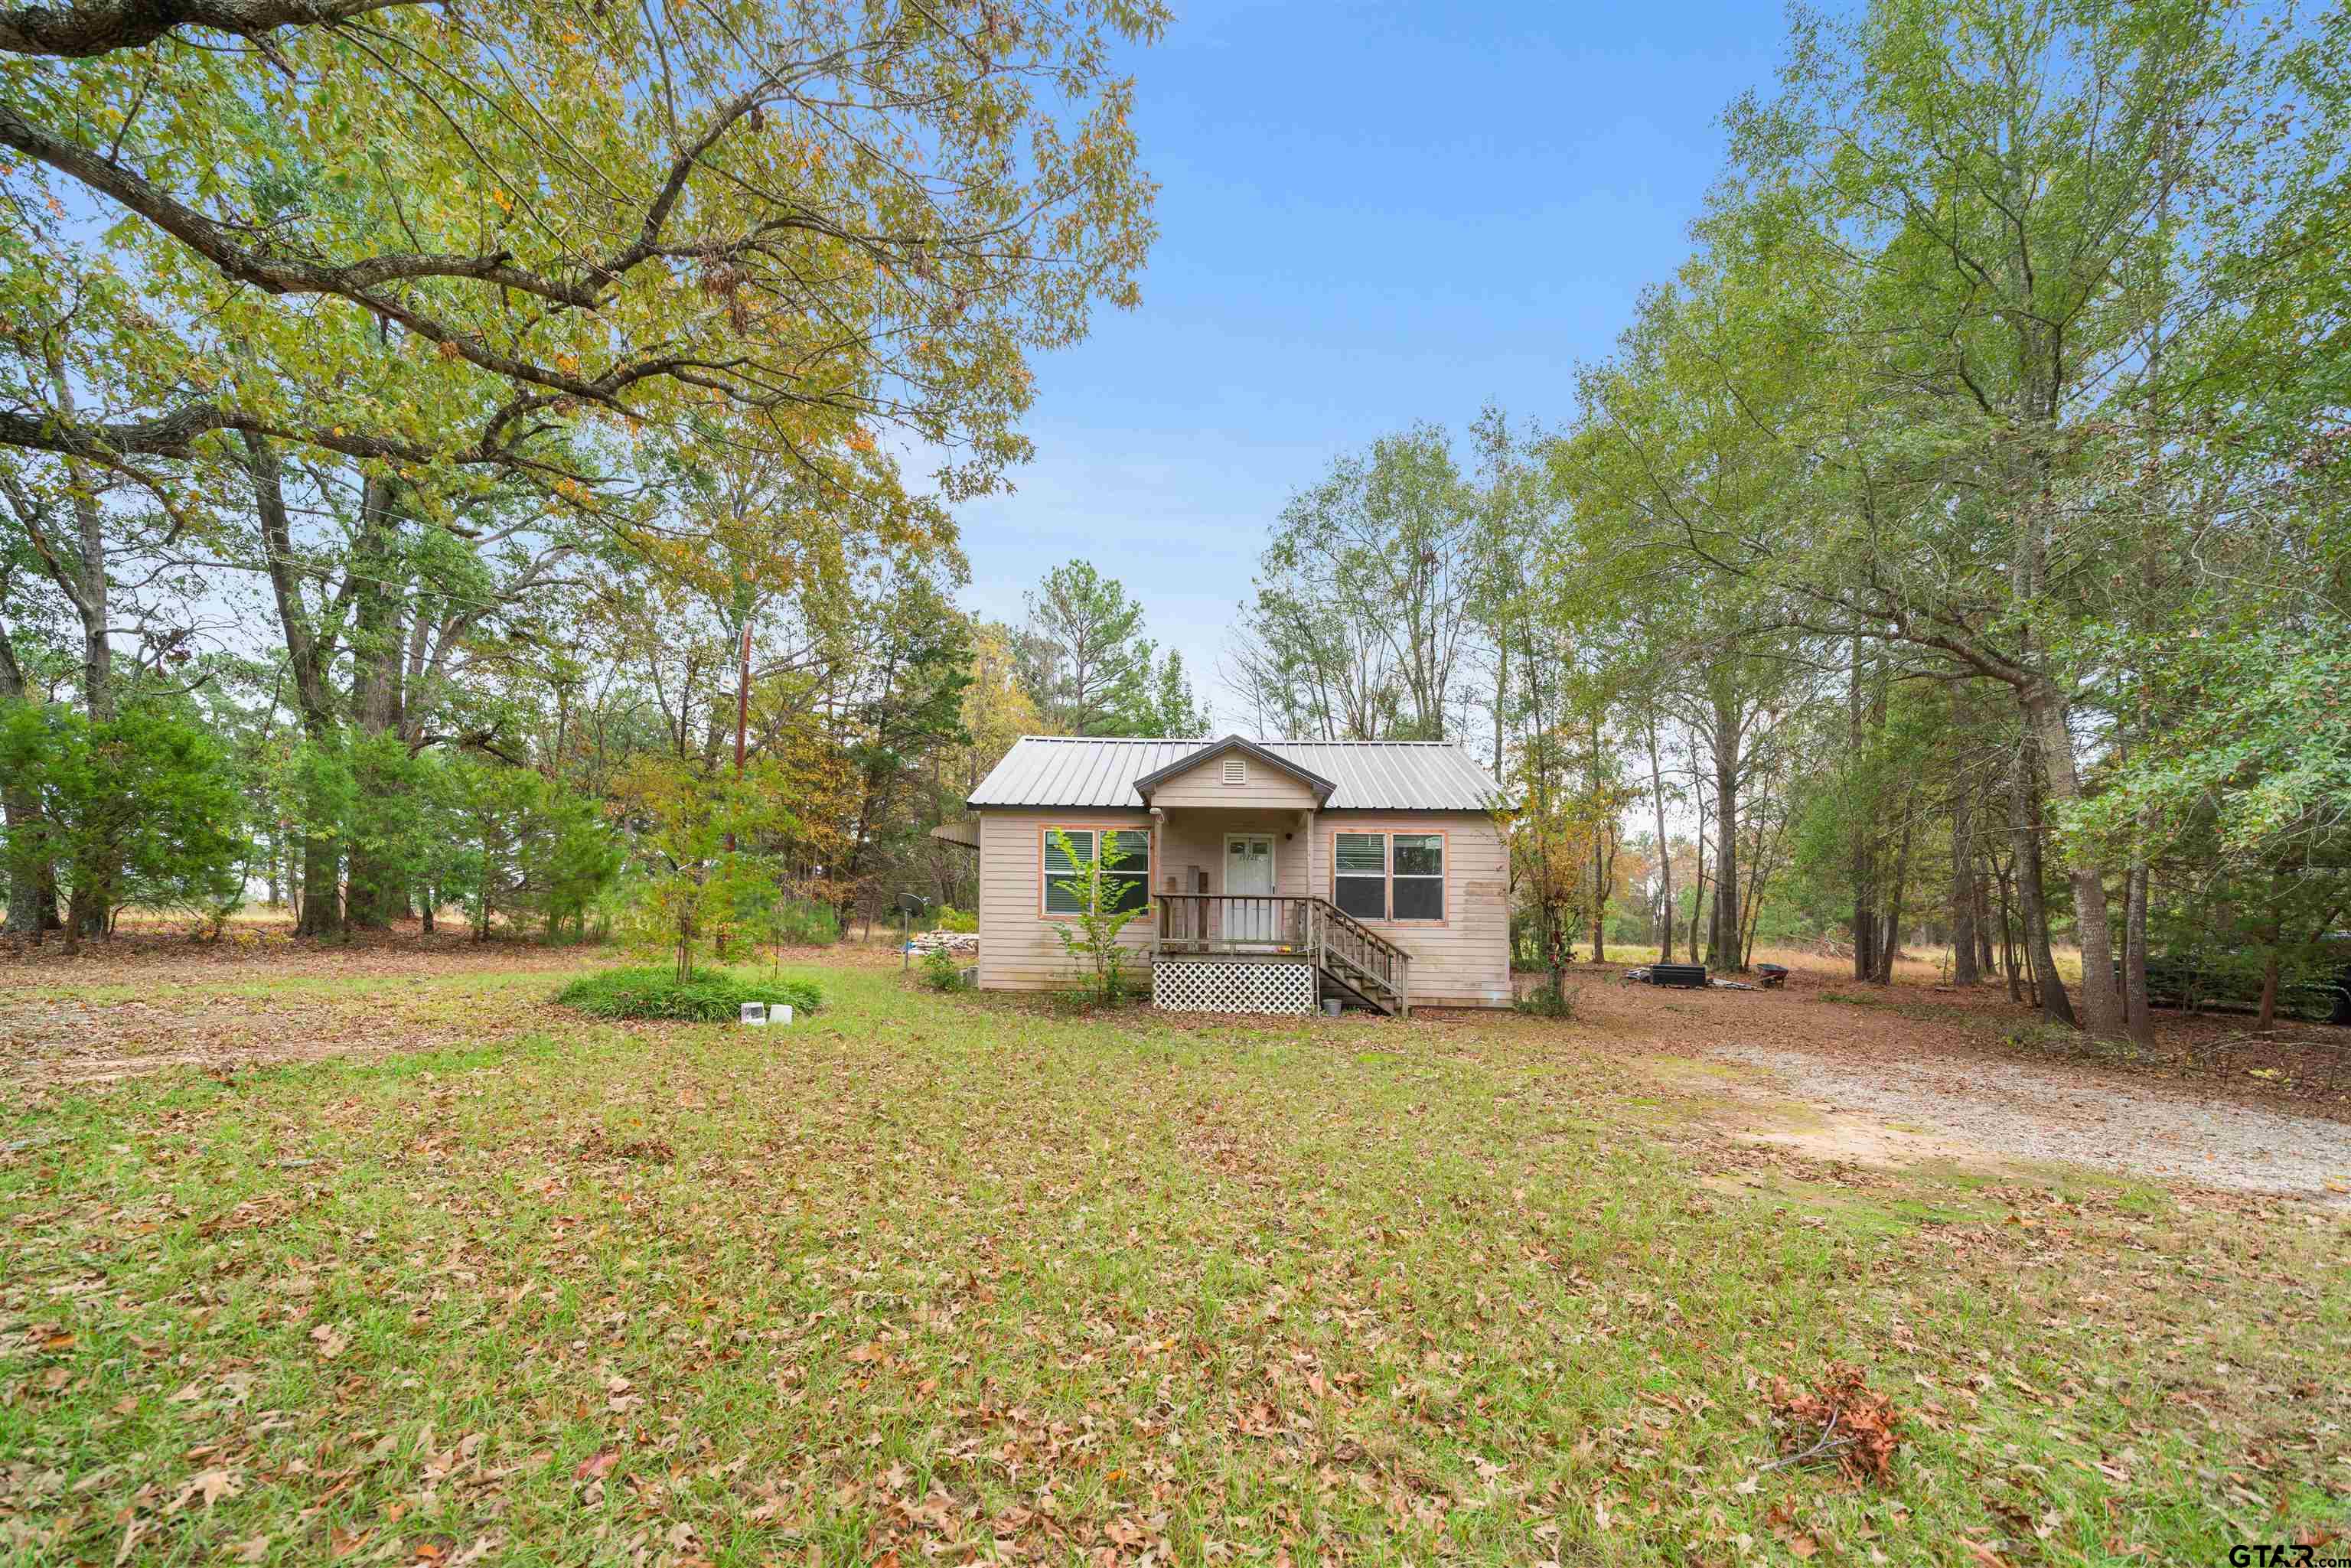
{"type": "Point", "coordinates": [2024, 822]}
{"type": "Point", "coordinates": [1963, 891]}
{"type": "Point", "coordinates": [2273, 940]}
{"type": "Point", "coordinates": [1698, 882]}
{"type": "Point", "coordinates": [1890, 947]}
{"type": "Point", "coordinates": [1665, 853]}
{"type": "Point", "coordinates": [20, 810]}
{"type": "Point", "coordinates": [82, 576]}
{"type": "Point", "coordinates": [2008, 943]}
{"type": "Point", "coordinates": [1599, 905]}
{"type": "Point", "coordinates": [321, 911]}
{"type": "Point", "coordinates": [97, 650]}
{"type": "Point", "coordinates": [378, 637]}
{"type": "Point", "coordinates": [2138, 1014]}
{"type": "Point", "coordinates": [322, 902]}
{"type": "Point", "coordinates": [1985, 959]}
{"type": "Point", "coordinates": [1501, 701]}
{"type": "Point", "coordinates": [2102, 1010]}
{"type": "Point", "coordinates": [1865, 855]}
{"type": "Point", "coordinates": [1697, 901]}
{"type": "Point", "coordinates": [1724, 946]}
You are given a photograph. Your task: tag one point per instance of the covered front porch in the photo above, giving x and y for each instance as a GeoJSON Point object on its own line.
{"type": "Point", "coordinates": [1237, 926]}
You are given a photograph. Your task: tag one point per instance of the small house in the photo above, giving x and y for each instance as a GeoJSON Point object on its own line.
{"type": "Point", "coordinates": [1272, 875]}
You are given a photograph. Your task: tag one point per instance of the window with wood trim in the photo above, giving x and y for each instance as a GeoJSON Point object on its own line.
{"type": "Point", "coordinates": [1388, 876]}
{"type": "Point", "coordinates": [1125, 868]}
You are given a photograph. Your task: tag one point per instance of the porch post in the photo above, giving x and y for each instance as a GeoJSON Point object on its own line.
{"type": "Point", "coordinates": [1157, 906]}
{"type": "Point", "coordinates": [1314, 943]}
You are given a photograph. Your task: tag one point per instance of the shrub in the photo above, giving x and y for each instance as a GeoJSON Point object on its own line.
{"type": "Point", "coordinates": [803, 923]}
{"type": "Point", "coordinates": [942, 970]}
{"type": "Point", "coordinates": [950, 918]}
{"type": "Point", "coordinates": [2046, 1038]}
{"type": "Point", "coordinates": [1090, 936]}
{"type": "Point", "coordinates": [707, 995]}
{"type": "Point", "coordinates": [1551, 1000]}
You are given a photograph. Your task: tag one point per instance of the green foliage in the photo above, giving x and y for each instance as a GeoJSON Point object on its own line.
{"type": "Point", "coordinates": [1088, 666]}
{"type": "Point", "coordinates": [700, 995]}
{"type": "Point", "coordinates": [695, 832]}
{"type": "Point", "coordinates": [137, 809]}
{"type": "Point", "coordinates": [1084, 664]}
{"type": "Point", "coordinates": [947, 917]}
{"type": "Point", "coordinates": [1553, 998]}
{"type": "Point", "coordinates": [1363, 597]}
{"type": "Point", "coordinates": [1170, 710]}
{"type": "Point", "coordinates": [1090, 936]}
{"type": "Point", "coordinates": [510, 842]}
{"type": "Point", "coordinates": [2255, 753]}
{"type": "Point", "coordinates": [942, 970]}
{"type": "Point", "coordinates": [955, 221]}
{"type": "Point", "coordinates": [391, 838]}
{"type": "Point", "coordinates": [799, 923]}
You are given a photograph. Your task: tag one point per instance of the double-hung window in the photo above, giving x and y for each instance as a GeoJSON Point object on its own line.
{"type": "Point", "coordinates": [1389, 876]}
{"type": "Point", "coordinates": [1125, 867]}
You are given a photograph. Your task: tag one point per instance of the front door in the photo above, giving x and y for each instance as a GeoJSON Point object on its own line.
{"type": "Point", "coordinates": [1249, 875]}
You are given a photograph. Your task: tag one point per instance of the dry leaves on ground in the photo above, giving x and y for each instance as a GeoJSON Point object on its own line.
{"type": "Point", "coordinates": [1842, 1420]}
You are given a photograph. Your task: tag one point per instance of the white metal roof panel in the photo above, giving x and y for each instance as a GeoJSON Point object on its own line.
{"type": "Point", "coordinates": [1371, 775]}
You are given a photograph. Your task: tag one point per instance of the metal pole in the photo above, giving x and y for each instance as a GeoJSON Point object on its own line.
{"type": "Point", "coordinates": [742, 709]}
{"type": "Point", "coordinates": [743, 698]}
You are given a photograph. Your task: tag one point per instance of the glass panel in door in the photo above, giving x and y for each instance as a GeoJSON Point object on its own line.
{"type": "Point", "coordinates": [1249, 875]}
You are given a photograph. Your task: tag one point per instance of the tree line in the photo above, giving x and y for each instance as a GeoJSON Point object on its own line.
{"type": "Point", "coordinates": [1955, 541]}
{"type": "Point", "coordinates": [455, 456]}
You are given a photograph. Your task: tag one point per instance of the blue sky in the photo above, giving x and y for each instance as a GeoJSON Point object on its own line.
{"type": "Point", "coordinates": [1369, 215]}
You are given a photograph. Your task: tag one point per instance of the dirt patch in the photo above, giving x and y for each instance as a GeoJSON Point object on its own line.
{"type": "Point", "coordinates": [1911, 1075]}
{"type": "Point", "coordinates": [2024, 1111]}
{"type": "Point", "coordinates": [168, 953]}
{"type": "Point", "coordinates": [152, 998]}
{"type": "Point", "coordinates": [48, 1044]}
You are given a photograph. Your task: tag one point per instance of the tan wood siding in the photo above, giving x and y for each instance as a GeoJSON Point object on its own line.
{"type": "Point", "coordinates": [1017, 949]}
{"type": "Point", "coordinates": [1465, 961]}
{"type": "Point", "coordinates": [1197, 839]}
{"type": "Point", "coordinates": [1267, 787]}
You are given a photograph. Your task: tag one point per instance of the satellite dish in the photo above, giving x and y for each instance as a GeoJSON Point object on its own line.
{"type": "Point", "coordinates": [909, 903]}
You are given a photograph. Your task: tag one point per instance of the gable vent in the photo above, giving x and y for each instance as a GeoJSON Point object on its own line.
{"type": "Point", "coordinates": [1236, 770]}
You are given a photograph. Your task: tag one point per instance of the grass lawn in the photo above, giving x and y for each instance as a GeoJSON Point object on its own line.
{"type": "Point", "coordinates": [938, 1279]}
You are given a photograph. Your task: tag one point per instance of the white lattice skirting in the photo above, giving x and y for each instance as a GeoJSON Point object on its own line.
{"type": "Point", "coordinates": [1190, 987]}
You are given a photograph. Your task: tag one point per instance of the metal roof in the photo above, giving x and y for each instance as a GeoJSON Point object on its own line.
{"type": "Point", "coordinates": [1366, 775]}
{"type": "Point", "coordinates": [963, 835]}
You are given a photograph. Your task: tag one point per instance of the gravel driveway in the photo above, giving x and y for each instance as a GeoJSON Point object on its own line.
{"type": "Point", "coordinates": [2024, 1111]}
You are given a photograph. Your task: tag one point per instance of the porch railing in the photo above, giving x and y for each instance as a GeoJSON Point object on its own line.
{"type": "Point", "coordinates": [1345, 947]}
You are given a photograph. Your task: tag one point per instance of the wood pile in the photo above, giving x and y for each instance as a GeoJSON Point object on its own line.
{"type": "Point", "coordinates": [963, 944]}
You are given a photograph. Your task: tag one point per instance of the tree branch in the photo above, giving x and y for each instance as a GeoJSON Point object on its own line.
{"type": "Point", "coordinates": [87, 28]}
